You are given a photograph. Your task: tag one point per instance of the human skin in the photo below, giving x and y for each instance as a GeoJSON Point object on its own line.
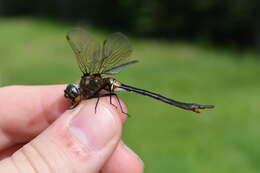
{"type": "Point", "coordinates": [39, 133]}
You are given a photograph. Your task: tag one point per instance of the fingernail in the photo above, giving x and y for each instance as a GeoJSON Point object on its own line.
{"type": "Point", "coordinates": [93, 130]}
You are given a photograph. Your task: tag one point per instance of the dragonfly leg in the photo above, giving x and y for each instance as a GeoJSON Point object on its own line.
{"type": "Point", "coordinates": [110, 100]}
{"type": "Point", "coordinates": [98, 97]}
{"type": "Point", "coordinates": [121, 106]}
{"type": "Point", "coordinates": [74, 105]}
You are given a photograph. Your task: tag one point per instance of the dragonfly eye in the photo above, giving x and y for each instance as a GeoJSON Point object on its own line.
{"type": "Point", "coordinates": [71, 92]}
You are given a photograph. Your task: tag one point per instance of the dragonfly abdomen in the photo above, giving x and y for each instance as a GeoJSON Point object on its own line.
{"type": "Point", "coordinates": [188, 106]}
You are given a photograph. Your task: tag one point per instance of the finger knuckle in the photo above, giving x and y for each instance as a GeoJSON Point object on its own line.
{"type": "Point", "coordinates": [29, 157]}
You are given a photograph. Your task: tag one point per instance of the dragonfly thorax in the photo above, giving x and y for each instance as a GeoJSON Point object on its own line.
{"type": "Point", "coordinates": [90, 85]}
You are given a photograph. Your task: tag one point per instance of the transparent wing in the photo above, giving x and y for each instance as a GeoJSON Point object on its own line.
{"type": "Point", "coordinates": [87, 50]}
{"type": "Point", "coordinates": [116, 52]}
{"type": "Point", "coordinates": [119, 68]}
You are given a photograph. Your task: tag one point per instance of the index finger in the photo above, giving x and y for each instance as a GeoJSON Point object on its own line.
{"type": "Point", "coordinates": [25, 111]}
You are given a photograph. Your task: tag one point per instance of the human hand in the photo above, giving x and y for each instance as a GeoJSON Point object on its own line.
{"type": "Point", "coordinates": [39, 134]}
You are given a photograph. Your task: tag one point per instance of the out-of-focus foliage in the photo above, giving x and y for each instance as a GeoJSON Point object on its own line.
{"type": "Point", "coordinates": [225, 21]}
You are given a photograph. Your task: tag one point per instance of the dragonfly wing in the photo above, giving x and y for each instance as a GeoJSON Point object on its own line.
{"type": "Point", "coordinates": [116, 52]}
{"type": "Point", "coordinates": [119, 68]}
{"type": "Point", "coordinates": [87, 50]}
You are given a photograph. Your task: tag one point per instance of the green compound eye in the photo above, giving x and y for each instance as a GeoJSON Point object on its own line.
{"type": "Point", "coordinates": [71, 92]}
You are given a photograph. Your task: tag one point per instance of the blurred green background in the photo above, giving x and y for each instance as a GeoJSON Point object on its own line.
{"type": "Point", "coordinates": [195, 68]}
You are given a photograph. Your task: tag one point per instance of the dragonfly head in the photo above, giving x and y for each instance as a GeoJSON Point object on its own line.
{"type": "Point", "coordinates": [71, 92]}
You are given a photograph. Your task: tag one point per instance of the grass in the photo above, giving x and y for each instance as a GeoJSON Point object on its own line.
{"type": "Point", "coordinates": [168, 139]}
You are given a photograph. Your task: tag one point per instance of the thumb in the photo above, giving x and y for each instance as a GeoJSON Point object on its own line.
{"type": "Point", "coordinates": [80, 141]}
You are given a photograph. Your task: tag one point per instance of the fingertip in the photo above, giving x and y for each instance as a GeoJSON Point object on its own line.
{"type": "Point", "coordinates": [124, 160]}
{"type": "Point", "coordinates": [28, 110]}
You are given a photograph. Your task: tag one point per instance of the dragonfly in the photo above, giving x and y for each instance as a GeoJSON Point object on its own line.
{"type": "Point", "coordinates": [98, 61]}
